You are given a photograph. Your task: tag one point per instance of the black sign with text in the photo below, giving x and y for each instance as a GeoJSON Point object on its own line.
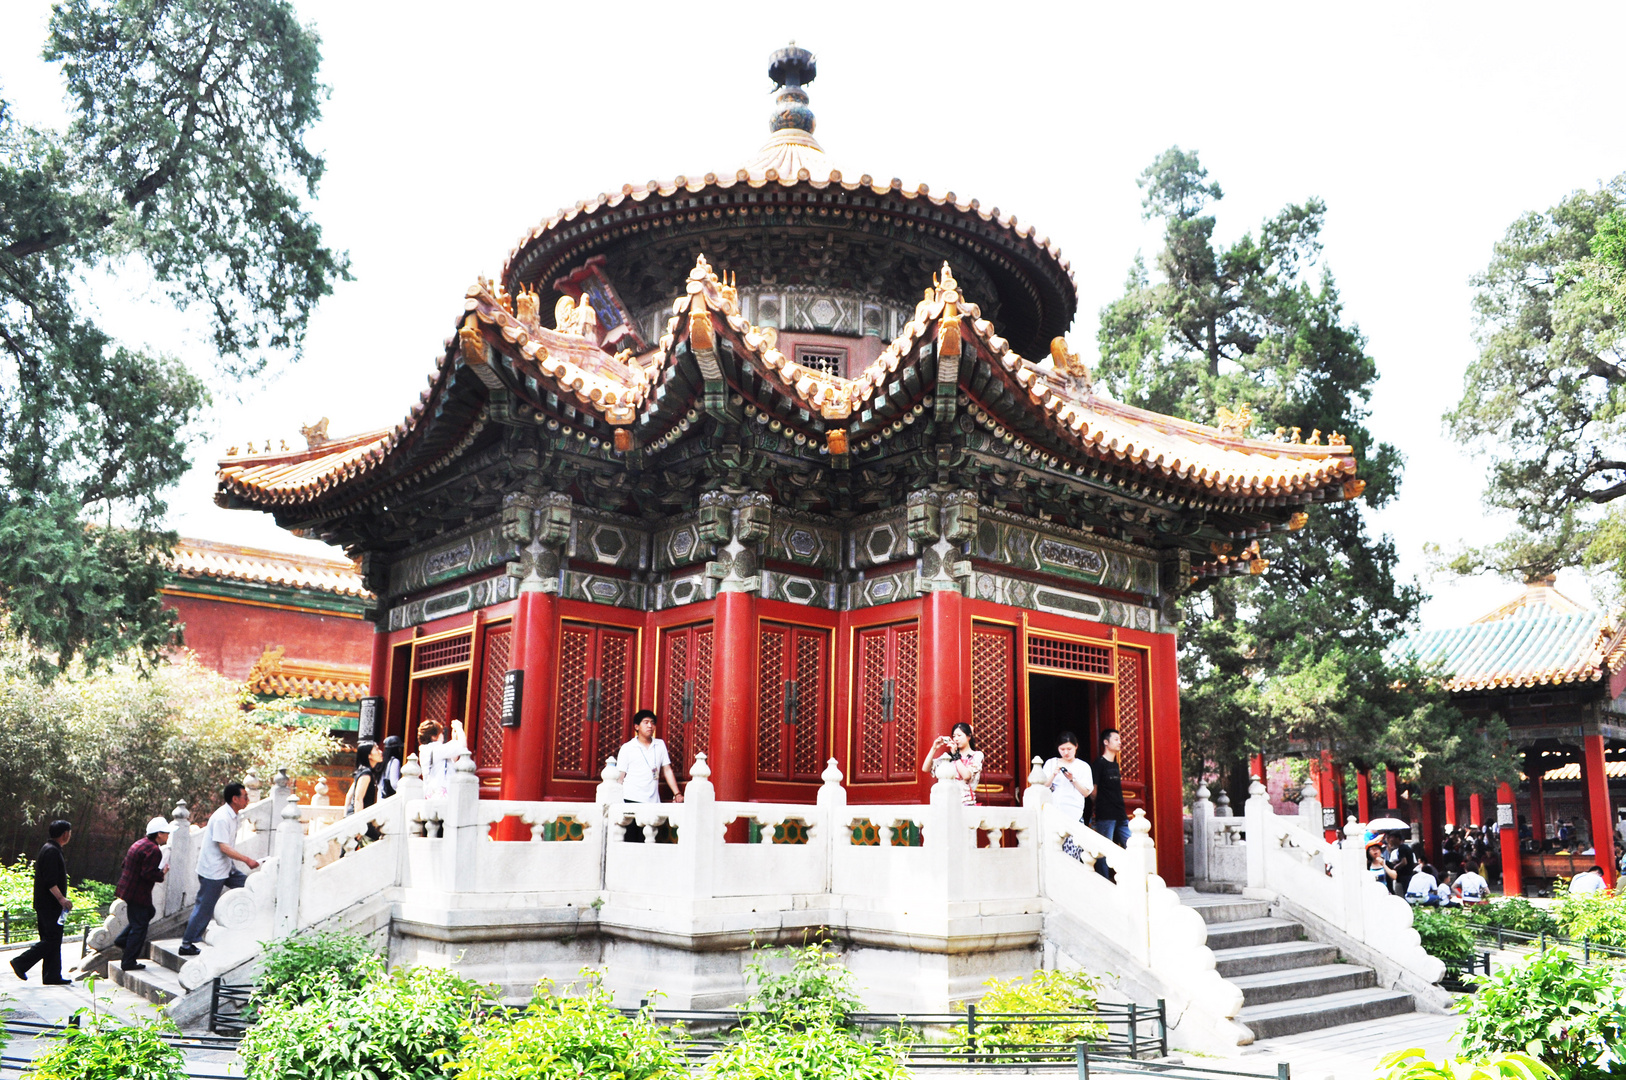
{"type": "Point", "coordinates": [513, 690]}
{"type": "Point", "coordinates": [370, 727]}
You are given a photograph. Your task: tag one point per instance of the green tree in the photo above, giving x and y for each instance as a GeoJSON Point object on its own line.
{"type": "Point", "coordinates": [1297, 656]}
{"type": "Point", "coordinates": [185, 161]}
{"type": "Point", "coordinates": [1544, 399]}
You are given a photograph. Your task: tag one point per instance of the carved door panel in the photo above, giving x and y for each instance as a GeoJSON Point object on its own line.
{"type": "Point", "coordinates": [993, 708]}
{"type": "Point", "coordinates": [886, 702]}
{"type": "Point", "coordinates": [684, 694]}
{"type": "Point", "coordinates": [793, 676]}
{"type": "Point", "coordinates": [596, 671]}
{"type": "Point", "coordinates": [1133, 717]}
{"type": "Point", "coordinates": [486, 738]}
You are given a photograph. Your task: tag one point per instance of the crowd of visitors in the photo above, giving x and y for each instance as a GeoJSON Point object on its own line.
{"type": "Point", "coordinates": [1470, 858]}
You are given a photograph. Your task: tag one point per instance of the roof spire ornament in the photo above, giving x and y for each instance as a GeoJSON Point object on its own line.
{"type": "Point", "coordinates": [791, 69]}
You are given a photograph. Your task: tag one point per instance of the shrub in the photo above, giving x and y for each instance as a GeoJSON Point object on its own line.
{"type": "Point", "coordinates": [1447, 935]}
{"type": "Point", "coordinates": [569, 1037]}
{"type": "Point", "coordinates": [817, 986]}
{"type": "Point", "coordinates": [90, 899]}
{"type": "Point", "coordinates": [318, 965]}
{"type": "Point", "coordinates": [1513, 913]}
{"type": "Point", "coordinates": [1598, 917]}
{"type": "Point", "coordinates": [1041, 992]}
{"type": "Point", "coordinates": [1414, 1065]}
{"type": "Point", "coordinates": [105, 1049]}
{"type": "Point", "coordinates": [402, 1026]}
{"type": "Point", "coordinates": [1571, 1017]}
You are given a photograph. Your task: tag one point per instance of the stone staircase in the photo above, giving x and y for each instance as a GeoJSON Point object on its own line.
{"type": "Point", "coordinates": [159, 981]}
{"type": "Point", "coordinates": [1289, 984]}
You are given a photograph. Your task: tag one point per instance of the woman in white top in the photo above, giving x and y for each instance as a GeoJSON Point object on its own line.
{"type": "Point", "coordinates": [960, 760]}
{"type": "Point", "coordinates": [1070, 783]}
{"type": "Point", "coordinates": [434, 761]}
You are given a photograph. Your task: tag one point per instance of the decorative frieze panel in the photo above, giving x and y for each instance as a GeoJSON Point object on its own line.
{"type": "Point", "coordinates": [595, 589]}
{"type": "Point", "coordinates": [885, 589]}
{"type": "Point", "coordinates": [1074, 556]}
{"type": "Point", "coordinates": [608, 542]}
{"type": "Point", "coordinates": [800, 540]}
{"type": "Point", "coordinates": [680, 545]}
{"type": "Point", "coordinates": [690, 589]}
{"type": "Point", "coordinates": [881, 538]}
{"type": "Point", "coordinates": [454, 602]}
{"type": "Point", "coordinates": [465, 553]}
{"type": "Point", "coordinates": [798, 590]}
{"type": "Point", "coordinates": [1027, 594]}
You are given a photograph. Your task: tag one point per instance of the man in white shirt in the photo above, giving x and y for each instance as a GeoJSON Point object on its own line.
{"type": "Point", "coordinates": [1472, 887]}
{"type": "Point", "coordinates": [1421, 889]}
{"type": "Point", "coordinates": [216, 873]}
{"type": "Point", "coordinates": [1589, 881]}
{"type": "Point", "coordinates": [643, 760]}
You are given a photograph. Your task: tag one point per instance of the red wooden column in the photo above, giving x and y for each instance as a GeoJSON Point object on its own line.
{"type": "Point", "coordinates": [1476, 811]}
{"type": "Point", "coordinates": [1450, 806]}
{"type": "Point", "coordinates": [734, 696]}
{"type": "Point", "coordinates": [1512, 879]}
{"type": "Point", "coordinates": [378, 680]}
{"type": "Point", "coordinates": [1597, 799]}
{"type": "Point", "coordinates": [1431, 824]}
{"type": "Point", "coordinates": [1363, 794]}
{"type": "Point", "coordinates": [1538, 812]}
{"type": "Point", "coordinates": [1168, 810]}
{"type": "Point", "coordinates": [534, 650]}
{"type": "Point", "coordinates": [945, 678]}
{"type": "Point", "coordinates": [1256, 767]}
{"type": "Point", "coordinates": [1391, 788]}
{"type": "Point", "coordinates": [1327, 792]}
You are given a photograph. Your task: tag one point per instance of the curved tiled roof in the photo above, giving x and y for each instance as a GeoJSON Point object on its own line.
{"type": "Point", "coordinates": [231, 562]}
{"type": "Point", "coordinates": [278, 677]}
{"type": "Point", "coordinates": [1532, 647]}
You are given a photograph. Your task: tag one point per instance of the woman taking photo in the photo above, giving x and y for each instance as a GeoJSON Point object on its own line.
{"type": "Point", "coordinates": [956, 758]}
{"type": "Point", "coordinates": [364, 786]}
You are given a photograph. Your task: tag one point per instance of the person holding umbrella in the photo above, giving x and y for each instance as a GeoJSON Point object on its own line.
{"type": "Point", "coordinates": [1399, 862]}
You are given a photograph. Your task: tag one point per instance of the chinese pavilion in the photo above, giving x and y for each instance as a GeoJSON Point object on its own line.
{"type": "Point", "coordinates": [803, 464]}
{"type": "Point", "coordinates": [1555, 672]}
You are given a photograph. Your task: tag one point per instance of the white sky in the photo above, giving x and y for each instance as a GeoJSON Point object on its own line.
{"type": "Point", "coordinates": [1426, 128]}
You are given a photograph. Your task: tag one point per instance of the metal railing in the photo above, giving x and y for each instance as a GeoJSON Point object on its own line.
{"type": "Point", "coordinates": [1542, 940]}
{"type": "Point", "coordinates": [227, 1005]}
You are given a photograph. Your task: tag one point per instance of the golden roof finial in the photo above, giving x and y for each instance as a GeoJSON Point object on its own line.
{"type": "Point", "coordinates": [1067, 362]}
{"type": "Point", "coordinates": [1234, 423]}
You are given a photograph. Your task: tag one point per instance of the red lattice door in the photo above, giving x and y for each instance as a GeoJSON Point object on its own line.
{"type": "Point", "coordinates": [435, 699]}
{"type": "Point", "coordinates": [487, 734]}
{"type": "Point", "coordinates": [684, 694]}
{"type": "Point", "coordinates": [596, 671]}
{"type": "Point", "coordinates": [993, 708]}
{"type": "Point", "coordinates": [886, 711]}
{"type": "Point", "coordinates": [1133, 716]}
{"type": "Point", "coordinates": [793, 672]}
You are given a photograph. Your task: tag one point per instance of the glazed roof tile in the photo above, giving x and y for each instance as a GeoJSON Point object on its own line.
{"type": "Point", "coordinates": [231, 562]}
{"type": "Point", "coordinates": [279, 677]}
{"type": "Point", "coordinates": [1534, 646]}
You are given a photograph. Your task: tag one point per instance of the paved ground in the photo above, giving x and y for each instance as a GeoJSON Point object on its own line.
{"type": "Point", "coordinates": [1352, 1052]}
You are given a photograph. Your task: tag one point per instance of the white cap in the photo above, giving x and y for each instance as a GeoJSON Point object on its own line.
{"type": "Point", "coordinates": [157, 824]}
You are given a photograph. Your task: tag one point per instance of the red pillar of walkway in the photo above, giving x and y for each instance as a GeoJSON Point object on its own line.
{"type": "Point", "coordinates": [1512, 879]}
{"type": "Point", "coordinates": [535, 651]}
{"type": "Point", "coordinates": [945, 677]}
{"type": "Point", "coordinates": [1256, 767]}
{"type": "Point", "coordinates": [1597, 799]}
{"type": "Point", "coordinates": [1450, 806]}
{"type": "Point", "coordinates": [1327, 792]}
{"type": "Point", "coordinates": [1538, 812]}
{"type": "Point", "coordinates": [733, 702]}
{"type": "Point", "coordinates": [1431, 824]}
{"type": "Point", "coordinates": [1391, 788]}
{"type": "Point", "coordinates": [1476, 812]}
{"type": "Point", "coordinates": [1363, 794]}
{"type": "Point", "coordinates": [1167, 814]}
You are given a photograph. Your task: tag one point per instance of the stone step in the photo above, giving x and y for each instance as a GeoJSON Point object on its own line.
{"type": "Point", "coordinates": [1221, 908]}
{"type": "Point", "coordinates": [158, 985]}
{"type": "Point", "coordinates": [167, 953]}
{"type": "Point", "coordinates": [1238, 935]}
{"type": "Point", "coordinates": [1329, 1010]}
{"type": "Point", "coordinates": [1256, 959]}
{"type": "Point", "coordinates": [1302, 984]}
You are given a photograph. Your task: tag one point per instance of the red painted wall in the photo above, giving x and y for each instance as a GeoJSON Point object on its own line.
{"type": "Point", "coordinates": [229, 637]}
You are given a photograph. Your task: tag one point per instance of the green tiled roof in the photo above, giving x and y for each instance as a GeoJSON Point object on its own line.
{"type": "Point", "coordinates": [1534, 647]}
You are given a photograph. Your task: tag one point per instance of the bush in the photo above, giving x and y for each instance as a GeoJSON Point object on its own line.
{"type": "Point", "coordinates": [296, 969]}
{"type": "Point", "coordinates": [1414, 1065]}
{"type": "Point", "coordinates": [1598, 917]}
{"type": "Point", "coordinates": [569, 1037]}
{"type": "Point", "coordinates": [1571, 1017]}
{"type": "Point", "coordinates": [1447, 935]}
{"type": "Point", "coordinates": [1041, 992]}
{"type": "Point", "coordinates": [90, 899]}
{"type": "Point", "coordinates": [817, 986]}
{"type": "Point", "coordinates": [402, 1026]}
{"type": "Point", "coordinates": [105, 1049]}
{"type": "Point", "coordinates": [1513, 913]}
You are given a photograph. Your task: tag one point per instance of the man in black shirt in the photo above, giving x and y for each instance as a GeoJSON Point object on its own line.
{"type": "Point", "coordinates": [51, 906]}
{"type": "Point", "coordinates": [1111, 819]}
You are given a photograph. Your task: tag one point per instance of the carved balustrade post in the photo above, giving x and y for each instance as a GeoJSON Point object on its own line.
{"type": "Point", "coordinates": [1202, 811]}
{"type": "Point", "coordinates": [1257, 812]}
{"type": "Point", "coordinates": [290, 849]}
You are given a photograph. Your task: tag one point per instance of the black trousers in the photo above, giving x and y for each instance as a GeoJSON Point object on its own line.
{"type": "Point", "coordinates": [134, 937]}
{"type": "Point", "coordinates": [47, 951]}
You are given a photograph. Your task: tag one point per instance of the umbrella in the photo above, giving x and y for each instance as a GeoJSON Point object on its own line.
{"type": "Point", "coordinates": [1388, 824]}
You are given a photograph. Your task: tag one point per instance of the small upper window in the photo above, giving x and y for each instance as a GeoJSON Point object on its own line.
{"type": "Point", "coordinates": [822, 358]}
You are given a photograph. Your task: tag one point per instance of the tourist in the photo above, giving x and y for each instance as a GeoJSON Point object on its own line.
{"type": "Point", "coordinates": [1423, 888]}
{"type": "Point", "coordinates": [955, 757]}
{"type": "Point", "coordinates": [51, 907]}
{"type": "Point", "coordinates": [1400, 863]}
{"type": "Point", "coordinates": [143, 868]}
{"type": "Point", "coordinates": [216, 873]}
{"type": "Point", "coordinates": [1374, 863]}
{"type": "Point", "coordinates": [364, 781]}
{"type": "Point", "coordinates": [1588, 881]}
{"type": "Point", "coordinates": [433, 761]}
{"type": "Point", "coordinates": [1471, 887]}
{"type": "Point", "coordinates": [1111, 818]}
{"type": "Point", "coordinates": [389, 781]}
{"type": "Point", "coordinates": [643, 761]}
{"type": "Point", "coordinates": [1070, 784]}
